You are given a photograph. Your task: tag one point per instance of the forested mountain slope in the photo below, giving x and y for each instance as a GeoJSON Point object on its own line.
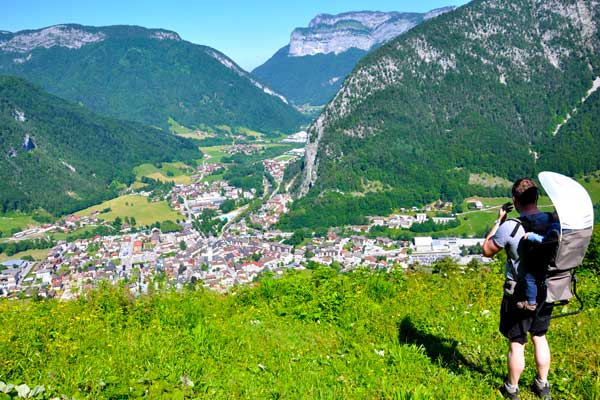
{"type": "Point", "coordinates": [481, 89]}
{"type": "Point", "coordinates": [144, 75]}
{"type": "Point", "coordinates": [61, 157]}
{"type": "Point", "coordinates": [310, 79]}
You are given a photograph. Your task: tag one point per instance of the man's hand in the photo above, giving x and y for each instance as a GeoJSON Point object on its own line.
{"type": "Point", "coordinates": [489, 247]}
{"type": "Point", "coordinates": [504, 210]}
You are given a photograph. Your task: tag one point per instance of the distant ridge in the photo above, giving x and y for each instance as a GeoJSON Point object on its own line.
{"type": "Point", "coordinates": [145, 75]}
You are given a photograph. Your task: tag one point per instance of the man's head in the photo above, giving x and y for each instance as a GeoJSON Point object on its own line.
{"type": "Point", "coordinates": [525, 192]}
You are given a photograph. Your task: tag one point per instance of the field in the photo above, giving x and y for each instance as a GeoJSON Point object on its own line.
{"type": "Point", "coordinates": [177, 128]}
{"type": "Point", "coordinates": [212, 178]}
{"type": "Point", "coordinates": [592, 184]}
{"type": "Point", "coordinates": [11, 221]}
{"type": "Point", "coordinates": [284, 157]}
{"type": "Point", "coordinates": [176, 172]}
{"type": "Point", "coordinates": [473, 222]}
{"type": "Point", "coordinates": [37, 255]}
{"type": "Point", "coordinates": [249, 132]}
{"type": "Point", "coordinates": [477, 221]}
{"type": "Point", "coordinates": [216, 154]}
{"type": "Point", "coordinates": [137, 185]}
{"type": "Point", "coordinates": [139, 207]}
{"type": "Point", "coordinates": [314, 334]}
{"type": "Point", "coordinates": [183, 131]}
{"type": "Point", "coordinates": [63, 236]}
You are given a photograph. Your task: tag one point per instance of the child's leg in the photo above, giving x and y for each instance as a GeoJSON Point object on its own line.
{"type": "Point", "coordinates": [530, 289]}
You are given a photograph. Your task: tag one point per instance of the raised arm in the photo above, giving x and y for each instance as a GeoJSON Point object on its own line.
{"type": "Point", "coordinates": [489, 246]}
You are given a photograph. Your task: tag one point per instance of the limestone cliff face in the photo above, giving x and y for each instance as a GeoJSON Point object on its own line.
{"type": "Point", "coordinates": [361, 30]}
{"type": "Point", "coordinates": [70, 36]}
{"type": "Point", "coordinates": [311, 68]}
{"type": "Point", "coordinates": [506, 43]}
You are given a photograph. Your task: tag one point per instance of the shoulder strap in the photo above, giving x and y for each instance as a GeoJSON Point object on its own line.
{"type": "Point", "coordinates": [518, 224]}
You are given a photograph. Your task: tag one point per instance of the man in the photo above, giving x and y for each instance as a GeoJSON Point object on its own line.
{"type": "Point", "coordinates": [516, 323]}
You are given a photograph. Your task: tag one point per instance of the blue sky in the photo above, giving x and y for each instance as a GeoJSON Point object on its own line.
{"type": "Point", "coordinates": [247, 31]}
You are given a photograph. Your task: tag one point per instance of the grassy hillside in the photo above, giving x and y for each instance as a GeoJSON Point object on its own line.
{"type": "Point", "coordinates": [314, 334]}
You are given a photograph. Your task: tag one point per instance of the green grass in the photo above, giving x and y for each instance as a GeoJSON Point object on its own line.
{"type": "Point", "coordinates": [473, 222]}
{"type": "Point", "coordinates": [180, 173]}
{"type": "Point", "coordinates": [249, 132]}
{"type": "Point", "coordinates": [592, 184]}
{"type": "Point", "coordinates": [177, 128]}
{"type": "Point", "coordinates": [138, 185]}
{"type": "Point", "coordinates": [223, 128]}
{"type": "Point", "coordinates": [216, 153]}
{"type": "Point", "coordinates": [63, 236]}
{"type": "Point", "coordinates": [186, 132]}
{"type": "Point", "coordinates": [212, 178]}
{"type": "Point", "coordinates": [477, 222]}
{"type": "Point", "coordinates": [139, 207]}
{"type": "Point", "coordinates": [284, 157]}
{"type": "Point", "coordinates": [308, 335]}
{"type": "Point", "coordinates": [15, 220]}
{"type": "Point", "coordinates": [37, 254]}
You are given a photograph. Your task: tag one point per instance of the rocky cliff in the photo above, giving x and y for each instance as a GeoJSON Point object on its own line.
{"type": "Point", "coordinates": [311, 69]}
{"type": "Point", "coordinates": [361, 30]}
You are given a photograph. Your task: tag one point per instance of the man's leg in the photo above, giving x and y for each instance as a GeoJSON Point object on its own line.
{"type": "Point", "coordinates": [542, 356]}
{"type": "Point", "coordinates": [516, 362]}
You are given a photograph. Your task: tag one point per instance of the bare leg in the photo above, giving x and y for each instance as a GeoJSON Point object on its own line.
{"type": "Point", "coordinates": [516, 362]}
{"type": "Point", "coordinates": [542, 356]}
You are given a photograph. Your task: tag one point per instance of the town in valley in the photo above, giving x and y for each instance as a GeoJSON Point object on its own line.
{"type": "Point", "coordinates": [242, 246]}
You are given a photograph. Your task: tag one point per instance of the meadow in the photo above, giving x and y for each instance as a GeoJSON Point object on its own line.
{"type": "Point", "coordinates": [216, 153]}
{"type": "Point", "coordinates": [144, 211]}
{"type": "Point", "coordinates": [309, 334]}
{"type": "Point", "coordinates": [176, 172]}
{"type": "Point", "coordinates": [14, 221]}
{"type": "Point", "coordinates": [36, 254]}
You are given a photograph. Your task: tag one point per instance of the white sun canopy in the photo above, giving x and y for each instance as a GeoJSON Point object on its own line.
{"type": "Point", "coordinates": [571, 200]}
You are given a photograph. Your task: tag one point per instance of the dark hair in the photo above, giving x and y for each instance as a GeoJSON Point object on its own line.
{"type": "Point", "coordinates": [525, 191]}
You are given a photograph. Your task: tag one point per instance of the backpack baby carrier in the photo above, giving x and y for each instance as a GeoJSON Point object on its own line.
{"type": "Point", "coordinates": [555, 260]}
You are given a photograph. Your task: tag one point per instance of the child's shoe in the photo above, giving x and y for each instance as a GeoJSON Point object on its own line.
{"type": "Point", "coordinates": [525, 305]}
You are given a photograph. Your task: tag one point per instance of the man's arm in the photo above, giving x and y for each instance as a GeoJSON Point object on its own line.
{"type": "Point", "coordinates": [489, 246]}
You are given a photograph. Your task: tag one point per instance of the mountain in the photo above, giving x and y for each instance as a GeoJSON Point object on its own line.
{"type": "Point", "coordinates": [311, 69]}
{"type": "Point", "coordinates": [145, 75]}
{"type": "Point", "coordinates": [506, 88]}
{"type": "Point", "coordinates": [59, 156]}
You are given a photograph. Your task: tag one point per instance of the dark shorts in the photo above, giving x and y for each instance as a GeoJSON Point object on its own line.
{"type": "Point", "coordinates": [516, 323]}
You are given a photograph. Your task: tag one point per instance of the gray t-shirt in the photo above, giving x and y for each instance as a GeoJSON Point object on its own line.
{"type": "Point", "coordinates": [503, 239]}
